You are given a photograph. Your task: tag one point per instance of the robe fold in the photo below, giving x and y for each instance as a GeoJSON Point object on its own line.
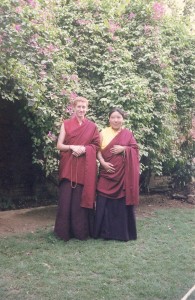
{"type": "Point", "coordinates": [83, 169]}
{"type": "Point", "coordinates": [124, 182]}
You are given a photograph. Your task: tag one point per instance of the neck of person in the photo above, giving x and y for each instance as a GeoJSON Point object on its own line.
{"type": "Point", "coordinates": [80, 120]}
{"type": "Point", "coordinates": [116, 129]}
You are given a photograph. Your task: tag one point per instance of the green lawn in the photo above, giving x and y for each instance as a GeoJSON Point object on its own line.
{"type": "Point", "coordinates": [159, 265]}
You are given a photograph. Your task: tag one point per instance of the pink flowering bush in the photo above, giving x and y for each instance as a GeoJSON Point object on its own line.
{"type": "Point", "coordinates": [158, 10]}
{"type": "Point", "coordinates": [129, 55]}
{"type": "Point", "coordinates": [52, 136]}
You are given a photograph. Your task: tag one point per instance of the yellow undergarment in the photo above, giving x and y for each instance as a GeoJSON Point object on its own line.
{"type": "Point", "coordinates": [107, 135]}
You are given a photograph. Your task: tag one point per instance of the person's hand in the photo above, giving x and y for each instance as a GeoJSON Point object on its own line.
{"type": "Point", "coordinates": [117, 149]}
{"type": "Point", "coordinates": [77, 150]}
{"type": "Point", "coordinates": [108, 167]}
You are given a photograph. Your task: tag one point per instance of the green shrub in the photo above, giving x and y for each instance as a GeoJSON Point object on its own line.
{"type": "Point", "coordinates": [129, 54]}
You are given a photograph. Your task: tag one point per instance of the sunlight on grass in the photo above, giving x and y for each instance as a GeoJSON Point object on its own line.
{"type": "Point", "coordinates": [159, 265]}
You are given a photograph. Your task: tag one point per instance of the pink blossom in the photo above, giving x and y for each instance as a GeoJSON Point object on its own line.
{"type": "Point", "coordinates": [34, 44]}
{"type": "Point", "coordinates": [33, 21]}
{"type": "Point", "coordinates": [69, 109]}
{"type": "Point", "coordinates": [174, 107]}
{"type": "Point", "coordinates": [154, 61]}
{"type": "Point", "coordinates": [74, 77]}
{"type": "Point", "coordinates": [35, 36]}
{"type": "Point", "coordinates": [49, 49]}
{"type": "Point", "coordinates": [131, 16]}
{"type": "Point", "coordinates": [114, 38]}
{"type": "Point", "coordinates": [52, 136]}
{"type": "Point", "coordinates": [181, 139]}
{"type": "Point", "coordinates": [64, 92]}
{"type": "Point", "coordinates": [192, 131]}
{"type": "Point", "coordinates": [22, 2]}
{"type": "Point", "coordinates": [110, 49]}
{"type": "Point", "coordinates": [158, 10]}
{"type": "Point", "coordinates": [33, 41]}
{"type": "Point", "coordinates": [73, 96]}
{"type": "Point", "coordinates": [32, 3]}
{"type": "Point", "coordinates": [113, 27]}
{"type": "Point", "coordinates": [1, 39]}
{"type": "Point", "coordinates": [17, 27]}
{"type": "Point", "coordinates": [83, 22]}
{"type": "Point", "coordinates": [52, 48]}
{"type": "Point", "coordinates": [68, 40]}
{"type": "Point", "coordinates": [163, 65]}
{"type": "Point", "coordinates": [18, 9]}
{"type": "Point", "coordinates": [42, 74]}
{"type": "Point", "coordinates": [147, 29]}
{"type": "Point", "coordinates": [165, 89]}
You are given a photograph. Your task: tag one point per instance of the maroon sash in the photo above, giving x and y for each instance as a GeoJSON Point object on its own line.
{"type": "Point", "coordinates": [83, 169]}
{"type": "Point", "coordinates": [124, 182]}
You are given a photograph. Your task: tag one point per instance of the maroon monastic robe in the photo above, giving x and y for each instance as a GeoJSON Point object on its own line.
{"type": "Point", "coordinates": [83, 169]}
{"type": "Point", "coordinates": [124, 182]}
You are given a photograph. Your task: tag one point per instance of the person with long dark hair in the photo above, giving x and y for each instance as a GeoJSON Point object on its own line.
{"type": "Point", "coordinates": [118, 181]}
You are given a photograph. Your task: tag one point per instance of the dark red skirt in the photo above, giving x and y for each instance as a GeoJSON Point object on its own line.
{"type": "Point", "coordinates": [72, 220]}
{"type": "Point", "coordinates": [114, 220]}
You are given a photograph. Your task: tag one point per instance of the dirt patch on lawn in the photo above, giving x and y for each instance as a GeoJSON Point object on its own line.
{"type": "Point", "coordinates": [30, 219]}
{"type": "Point", "coordinates": [26, 220]}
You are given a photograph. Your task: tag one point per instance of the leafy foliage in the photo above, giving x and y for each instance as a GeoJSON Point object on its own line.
{"type": "Point", "coordinates": [120, 53]}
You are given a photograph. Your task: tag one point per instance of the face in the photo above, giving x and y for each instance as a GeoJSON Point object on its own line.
{"type": "Point", "coordinates": [116, 120]}
{"type": "Point", "coordinates": [80, 109]}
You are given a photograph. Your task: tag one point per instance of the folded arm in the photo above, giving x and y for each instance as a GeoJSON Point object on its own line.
{"type": "Point", "coordinates": [77, 150]}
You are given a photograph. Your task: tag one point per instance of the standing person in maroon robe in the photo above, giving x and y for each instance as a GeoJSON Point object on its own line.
{"type": "Point", "coordinates": [118, 183]}
{"type": "Point", "coordinates": [78, 143]}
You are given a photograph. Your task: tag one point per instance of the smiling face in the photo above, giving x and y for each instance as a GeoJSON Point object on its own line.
{"type": "Point", "coordinates": [80, 109]}
{"type": "Point", "coordinates": [116, 120]}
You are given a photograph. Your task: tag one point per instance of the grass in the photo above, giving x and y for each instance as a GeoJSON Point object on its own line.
{"type": "Point", "coordinates": [159, 265]}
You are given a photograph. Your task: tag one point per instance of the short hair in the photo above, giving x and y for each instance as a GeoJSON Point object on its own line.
{"type": "Point", "coordinates": [119, 110]}
{"type": "Point", "coordinates": [80, 99]}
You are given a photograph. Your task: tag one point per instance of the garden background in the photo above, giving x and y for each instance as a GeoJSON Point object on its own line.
{"type": "Point", "coordinates": [137, 55]}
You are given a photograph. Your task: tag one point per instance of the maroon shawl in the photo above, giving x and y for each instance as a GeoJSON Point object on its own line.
{"type": "Point", "coordinates": [124, 182]}
{"type": "Point", "coordinates": [83, 169]}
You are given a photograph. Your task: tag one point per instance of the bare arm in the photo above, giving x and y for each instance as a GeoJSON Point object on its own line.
{"type": "Point", "coordinates": [61, 138]}
{"type": "Point", "coordinates": [106, 165]}
{"type": "Point", "coordinates": [77, 150]}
